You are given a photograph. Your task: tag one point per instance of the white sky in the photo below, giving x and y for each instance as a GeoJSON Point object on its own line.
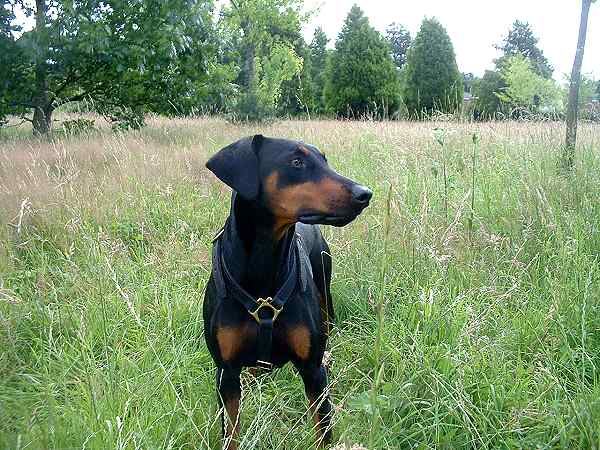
{"type": "Point", "coordinates": [476, 25]}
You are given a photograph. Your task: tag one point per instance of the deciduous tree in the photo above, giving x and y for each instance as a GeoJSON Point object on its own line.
{"type": "Point", "coordinates": [400, 40]}
{"type": "Point", "coordinates": [486, 90]}
{"type": "Point", "coordinates": [8, 54]}
{"type": "Point", "coordinates": [124, 55]}
{"type": "Point", "coordinates": [521, 41]}
{"type": "Point", "coordinates": [265, 32]}
{"type": "Point", "coordinates": [298, 93]}
{"type": "Point", "coordinates": [526, 90]}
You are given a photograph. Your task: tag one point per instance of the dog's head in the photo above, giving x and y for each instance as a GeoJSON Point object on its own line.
{"type": "Point", "coordinates": [290, 179]}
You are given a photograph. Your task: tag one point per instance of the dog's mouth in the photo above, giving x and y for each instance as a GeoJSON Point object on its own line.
{"type": "Point", "coordinates": [337, 220]}
{"type": "Point", "coordinates": [324, 219]}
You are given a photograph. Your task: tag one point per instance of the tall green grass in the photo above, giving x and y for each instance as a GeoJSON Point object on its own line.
{"type": "Point", "coordinates": [487, 283]}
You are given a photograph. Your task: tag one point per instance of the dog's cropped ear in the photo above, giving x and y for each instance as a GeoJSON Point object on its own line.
{"type": "Point", "coordinates": [237, 166]}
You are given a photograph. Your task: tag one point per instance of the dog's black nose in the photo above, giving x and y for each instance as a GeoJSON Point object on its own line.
{"type": "Point", "coordinates": [361, 194]}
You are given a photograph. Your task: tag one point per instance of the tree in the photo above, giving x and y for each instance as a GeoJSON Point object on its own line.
{"type": "Point", "coordinates": [526, 91]}
{"type": "Point", "coordinates": [297, 93]}
{"type": "Point", "coordinates": [318, 62]}
{"type": "Point", "coordinates": [126, 56]}
{"type": "Point", "coordinates": [521, 41]}
{"type": "Point", "coordinates": [469, 80]}
{"type": "Point", "coordinates": [8, 54]}
{"type": "Point", "coordinates": [433, 82]}
{"type": "Point", "coordinates": [587, 90]}
{"type": "Point", "coordinates": [486, 90]}
{"type": "Point", "coordinates": [400, 40]}
{"type": "Point", "coordinates": [573, 105]}
{"type": "Point", "coordinates": [264, 33]}
{"type": "Point", "coordinates": [361, 77]}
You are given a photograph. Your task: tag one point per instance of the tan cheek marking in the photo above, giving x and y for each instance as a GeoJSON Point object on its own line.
{"type": "Point", "coordinates": [299, 341]}
{"type": "Point", "coordinates": [287, 202]}
{"type": "Point", "coordinates": [230, 340]}
{"type": "Point", "coordinates": [334, 190]}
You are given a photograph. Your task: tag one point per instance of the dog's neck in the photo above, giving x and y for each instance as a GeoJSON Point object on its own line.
{"type": "Point", "coordinates": [260, 251]}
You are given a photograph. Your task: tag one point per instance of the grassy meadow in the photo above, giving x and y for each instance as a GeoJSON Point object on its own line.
{"type": "Point", "coordinates": [488, 274]}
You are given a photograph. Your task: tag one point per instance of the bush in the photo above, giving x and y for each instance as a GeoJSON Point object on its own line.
{"type": "Point", "coordinates": [486, 90]}
{"type": "Point", "coordinates": [124, 118]}
{"type": "Point", "coordinates": [78, 126]}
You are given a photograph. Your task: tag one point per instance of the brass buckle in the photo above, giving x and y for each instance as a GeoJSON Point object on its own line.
{"type": "Point", "coordinates": [262, 302]}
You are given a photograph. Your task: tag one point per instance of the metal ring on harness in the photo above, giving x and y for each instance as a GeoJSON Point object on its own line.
{"type": "Point", "coordinates": [262, 302]}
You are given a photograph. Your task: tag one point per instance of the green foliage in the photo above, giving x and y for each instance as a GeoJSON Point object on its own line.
{"type": "Point", "coordinates": [587, 89]}
{"type": "Point", "coordinates": [486, 90]}
{"type": "Point", "coordinates": [262, 35]}
{"type": "Point", "coordinates": [589, 109]}
{"type": "Point", "coordinates": [318, 65]}
{"type": "Point", "coordinates": [469, 80]}
{"type": "Point", "coordinates": [399, 40]}
{"type": "Point", "coordinates": [521, 41]}
{"type": "Point", "coordinates": [361, 77]}
{"type": "Point", "coordinates": [528, 91]}
{"type": "Point", "coordinates": [517, 87]}
{"type": "Point", "coordinates": [124, 118]}
{"type": "Point", "coordinates": [78, 126]}
{"type": "Point", "coordinates": [433, 82]}
{"type": "Point", "coordinates": [9, 54]}
{"type": "Point", "coordinates": [218, 92]}
{"type": "Point", "coordinates": [281, 65]}
{"type": "Point", "coordinates": [298, 94]}
{"type": "Point", "coordinates": [149, 56]}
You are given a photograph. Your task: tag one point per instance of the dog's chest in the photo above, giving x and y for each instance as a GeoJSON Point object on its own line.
{"type": "Point", "coordinates": [295, 333]}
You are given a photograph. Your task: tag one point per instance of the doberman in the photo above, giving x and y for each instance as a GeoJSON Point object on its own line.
{"type": "Point", "coordinates": [268, 299]}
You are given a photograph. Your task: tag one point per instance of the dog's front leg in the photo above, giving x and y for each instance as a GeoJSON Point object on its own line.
{"type": "Point", "coordinates": [315, 385]}
{"type": "Point", "coordinates": [228, 395]}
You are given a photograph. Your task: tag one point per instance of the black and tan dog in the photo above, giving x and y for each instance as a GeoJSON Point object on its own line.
{"type": "Point", "coordinates": [268, 301]}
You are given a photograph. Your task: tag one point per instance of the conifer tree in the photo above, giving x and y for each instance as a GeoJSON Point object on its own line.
{"type": "Point", "coordinates": [433, 82]}
{"type": "Point", "coordinates": [318, 59]}
{"type": "Point", "coordinates": [361, 76]}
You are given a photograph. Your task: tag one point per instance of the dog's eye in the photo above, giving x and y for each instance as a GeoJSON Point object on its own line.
{"type": "Point", "coordinates": [297, 163]}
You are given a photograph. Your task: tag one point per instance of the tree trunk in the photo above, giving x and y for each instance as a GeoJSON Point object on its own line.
{"type": "Point", "coordinates": [42, 112]}
{"type": "Point", "coordinates": [42, 120]}
{"type": "Point", "coordinates": [249, 69]}
{"type": "Point", "coordinates": [573, 105]}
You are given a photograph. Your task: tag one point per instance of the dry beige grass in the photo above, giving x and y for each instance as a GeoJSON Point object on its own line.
{"type": "Point", "coordinates": [90, 167]}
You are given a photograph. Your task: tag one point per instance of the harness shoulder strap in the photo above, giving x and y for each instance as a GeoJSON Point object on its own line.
{"type": "Point", "coordinates": [304, 261]}
{"type": "Point", "coordinates": [217, 272]}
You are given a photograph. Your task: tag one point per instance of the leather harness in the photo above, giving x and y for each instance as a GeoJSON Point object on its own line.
{"type": "Point", "coordinates": [264, 310]}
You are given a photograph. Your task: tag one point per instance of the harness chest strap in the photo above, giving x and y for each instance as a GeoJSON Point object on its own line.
{"type": "Point", "coordinates": [264, 310]}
